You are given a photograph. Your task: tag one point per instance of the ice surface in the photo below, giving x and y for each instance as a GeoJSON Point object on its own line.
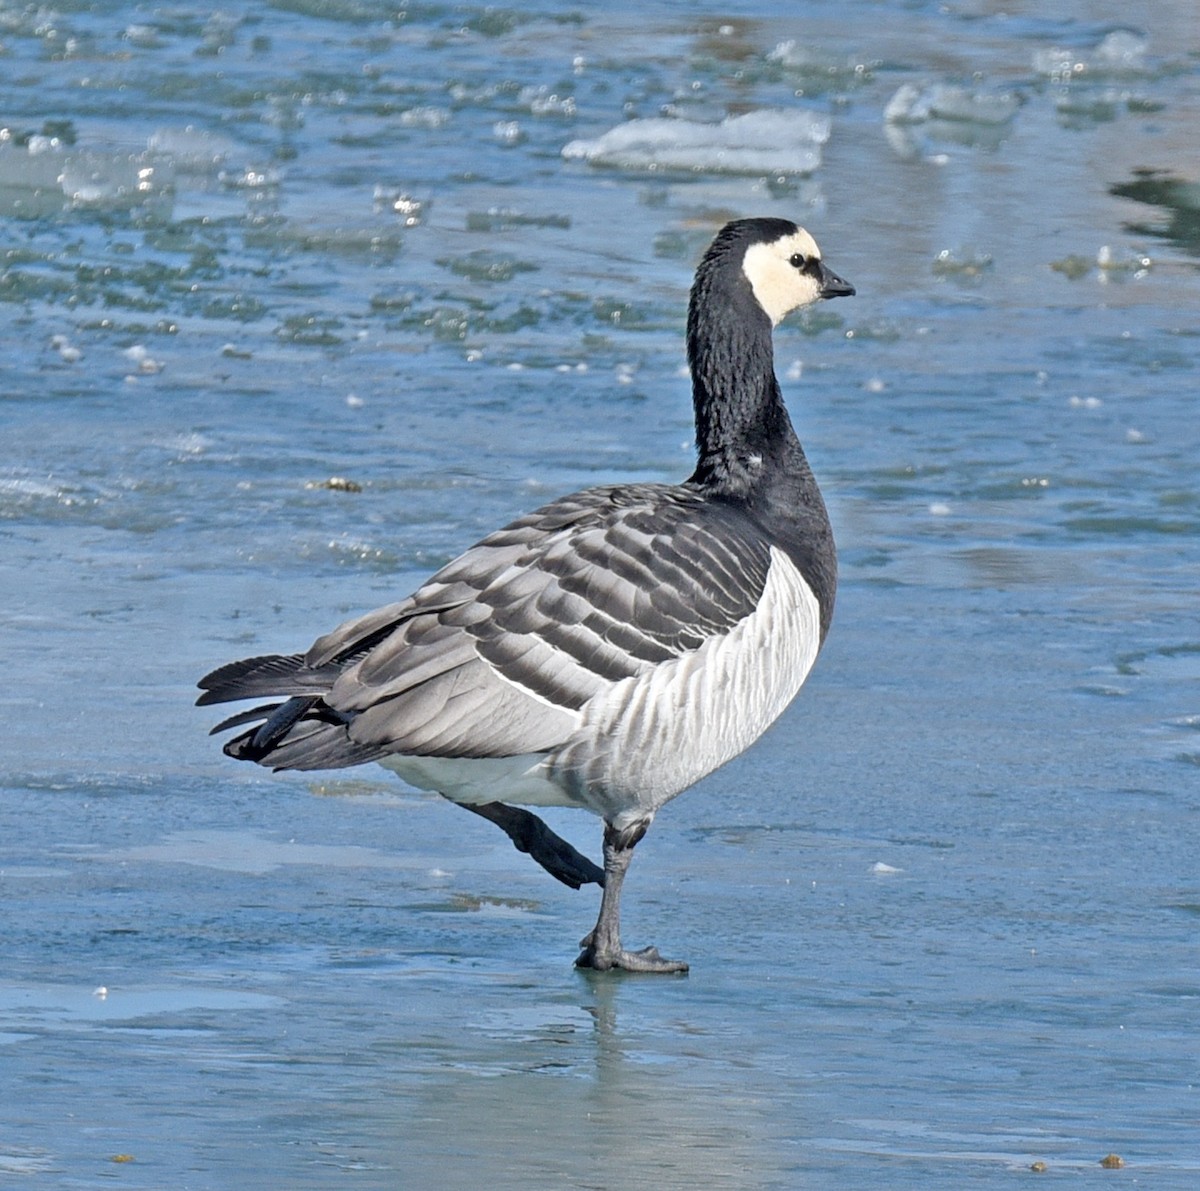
{"type": "Point", "coordinates": [768, 141]}
{"type": "Point", "coordinates": [99, 177]}
{"type": "Point", "coordinates": [85, 177]}
{"type": "Point", "coordinates": [30, 168]}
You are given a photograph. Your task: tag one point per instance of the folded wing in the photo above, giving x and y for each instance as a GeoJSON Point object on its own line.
{"type": "Point", "coordinates": [499, 652]}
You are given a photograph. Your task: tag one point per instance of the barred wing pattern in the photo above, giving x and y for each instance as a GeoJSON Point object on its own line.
{"type": "Point", "coordinates": [501, 651]}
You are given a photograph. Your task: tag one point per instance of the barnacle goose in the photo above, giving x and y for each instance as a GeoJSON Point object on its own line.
{"type": "Point", "coordinates": [611, 648]}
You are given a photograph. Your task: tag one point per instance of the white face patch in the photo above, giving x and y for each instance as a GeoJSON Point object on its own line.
{"type": "Point", "coordinates": [779, 285]}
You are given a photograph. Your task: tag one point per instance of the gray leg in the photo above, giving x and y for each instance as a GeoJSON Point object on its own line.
{"type": "Point", "coordinates": [530, 834]}
{"type": "Point", "coordinates": [602, 949]}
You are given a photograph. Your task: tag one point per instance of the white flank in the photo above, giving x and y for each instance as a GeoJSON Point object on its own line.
{"type": "Point", "coordinates": [645, 739]}
{"type": "Point", "coordinates": [650, 737]}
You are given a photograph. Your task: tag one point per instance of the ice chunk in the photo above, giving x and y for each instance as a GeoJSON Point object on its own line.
{"type": "Point", "coordinates": [431, 118]}
{"type": "Point", "coordinates": [191, 149]}
{"type": "Point", "coordinates": [96, 178]}
{"type": "Point", "coordinates": [543, 101]}
{"type": "Point", "coordinates": [143, 360]}
{"type": "Point", "coordinates": [818, 68]}
{"type": "Point", "coordinates": [410, 210]}
{"type": "Point", "coordinates": [508, 132]}
{"type": "Point", "coordinates": [769, 141]}
{"type": "Point", "coordinates": [908, 106]}
{"type": "Point", "coordinates": [1122, 52]}
{"type": "Point", "coordinates": [942, 101]}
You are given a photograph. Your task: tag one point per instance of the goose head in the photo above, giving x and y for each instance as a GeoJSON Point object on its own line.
{"type": "Point", "coordinates": [783, 265]}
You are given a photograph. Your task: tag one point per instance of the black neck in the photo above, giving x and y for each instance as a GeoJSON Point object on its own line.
{"type": "Point", "coordinates": [743, 431]}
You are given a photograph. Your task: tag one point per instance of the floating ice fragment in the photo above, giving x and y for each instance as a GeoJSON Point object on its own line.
{"type": "Point", "coordinates": [941, 101]}
{"type": "Point", "coordinates": [769, 141]}
{"type": "Point", "coordinates": [146, 363]}
{"type": "Point", "coordinates": [1058, 65]}
{"type": "Point", "coordinates": [508, 132]}
{"type": "Point", "coordinates": [96, 178]}
{"type": "Point", "coordinates": [145, 37]}
{"type": "Point", "coordinates": [1122, 52]}
{"type": "Point", "coordinates": [425, 117]}
{"type": "Point", "coordinates": [251, 178]}
{"type": "Point", "coordinates": [907, 106]}
{"type": "Point", "coordinates": [191, 149]}
{"type": "Point", "coordinates": [410, 210]}
{"type": "Point", "coordinates": [66, 350]}
{"type": "Point", "coordinates": [541, 101]}
{"type": "Point", "coordinates": [819, 67]}
{"type": "Point", "coordinates": [884, 870]}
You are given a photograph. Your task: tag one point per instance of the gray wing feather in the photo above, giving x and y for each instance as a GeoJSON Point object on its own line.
{"type": "Point", "coordinates": [497, 653]}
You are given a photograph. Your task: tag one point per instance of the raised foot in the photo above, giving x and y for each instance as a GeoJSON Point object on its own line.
{"type": "Point", "coordinates": [533, 836]}
{"type": "Point", "coordinates": [647, 960]}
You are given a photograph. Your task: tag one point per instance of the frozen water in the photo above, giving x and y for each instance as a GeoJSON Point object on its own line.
{"type": "Point", "coordinates": [1121, 52]}
{"type": "Point", "coordinates": [772, 141]}
{"type": "Point", "coordinates": [340, 347]}
{"type": "Point", "coordinates": [190, 148]}
{"type": "Point", "coordinates": [913, 104]}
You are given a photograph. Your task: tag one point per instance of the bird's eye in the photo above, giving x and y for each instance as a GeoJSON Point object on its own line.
{"type": "Point", "coordinates": [799, 260]}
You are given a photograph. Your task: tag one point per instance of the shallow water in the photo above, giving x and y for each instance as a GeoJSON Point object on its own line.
{"type": "Point", "coordinates": [942, 920]}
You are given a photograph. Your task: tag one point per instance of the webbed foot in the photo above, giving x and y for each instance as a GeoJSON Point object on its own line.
{"type": "Point", "coordinates": [646, 960]}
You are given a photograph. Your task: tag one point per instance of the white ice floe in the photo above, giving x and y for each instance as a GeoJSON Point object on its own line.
{"type": "Point", "coordinates": [884, 870]}
{"type": "Point", "coordinates": [942, 101]}
{"type": "Point", "coordinates": [1121, 53]}
{"type": "Point", "coordinates": [769, 141]}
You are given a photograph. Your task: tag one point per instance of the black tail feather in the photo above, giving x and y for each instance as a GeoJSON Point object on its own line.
{"type": "Point", "coordinates": [271, 674]}
{"type": "Point", "coordinates": [251, 716]}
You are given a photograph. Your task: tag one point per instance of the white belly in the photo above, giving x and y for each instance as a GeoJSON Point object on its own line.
{"type": "Point", "coordinates": [652, 736]}
{"type": "Point", "coordinates": [647, 738]}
